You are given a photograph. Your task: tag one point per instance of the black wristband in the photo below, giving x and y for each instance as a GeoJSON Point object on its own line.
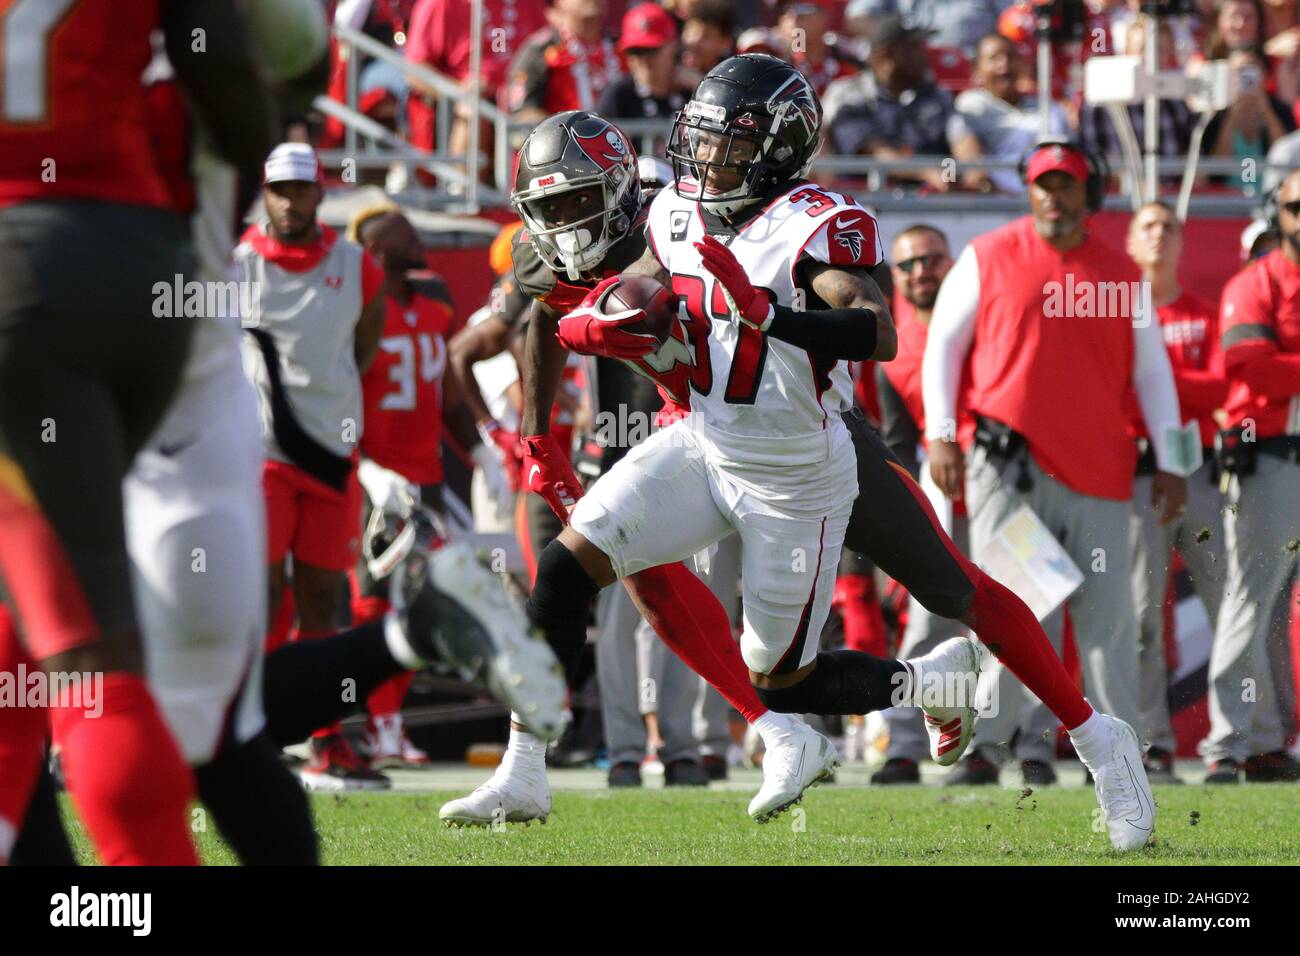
{"type": "Point", "coordinates": [848, 334]}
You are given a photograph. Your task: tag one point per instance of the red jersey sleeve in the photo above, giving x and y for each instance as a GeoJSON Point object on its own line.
{"type": "Point", "coordinates": [1247, 324]}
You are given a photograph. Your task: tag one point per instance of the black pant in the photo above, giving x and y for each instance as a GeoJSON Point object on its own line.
{"type": "Point", "coordinates": [87, 370]}
{"type": "Point", "coordinates": [893, 524]}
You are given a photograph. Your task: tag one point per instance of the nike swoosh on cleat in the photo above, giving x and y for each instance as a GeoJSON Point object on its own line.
{"type": "Point", "coordinates": [1143, 811]}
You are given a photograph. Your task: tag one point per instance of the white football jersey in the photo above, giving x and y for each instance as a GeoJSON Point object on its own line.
{"type": "Point", "coordinates": [760, 400]}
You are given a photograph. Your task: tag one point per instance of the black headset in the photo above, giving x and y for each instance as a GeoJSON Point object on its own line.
{"type": "Point", "coordinates": [1271, 211]}
{"type": "Point", "coordinates": [1098, 171]}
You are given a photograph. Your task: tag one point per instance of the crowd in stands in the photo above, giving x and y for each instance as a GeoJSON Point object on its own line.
{"type": "Point", "coordinates": [898, 78]}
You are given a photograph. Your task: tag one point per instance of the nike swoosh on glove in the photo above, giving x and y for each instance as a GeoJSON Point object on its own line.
{"type": "Point", "coordinates": [547, 472]}
{"type": "Point", "coordinates": [749, 304]}
{"type": "Point", "coordinates": [589, 331]}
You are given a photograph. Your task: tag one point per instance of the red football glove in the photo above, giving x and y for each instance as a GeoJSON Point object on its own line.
{"type": "Point", "coordinates": [749, 304]}
{"type": "Point", "coordinates": [547, 472]}
{"type": "Point", "coordinates": [591, 332]}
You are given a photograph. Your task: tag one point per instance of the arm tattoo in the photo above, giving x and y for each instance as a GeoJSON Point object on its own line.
{"type": "Point", "coordinates": [846, 287]}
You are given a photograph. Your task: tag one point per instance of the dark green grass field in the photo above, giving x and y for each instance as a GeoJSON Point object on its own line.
{"type": "Point", "coordinates": [1250, 825]}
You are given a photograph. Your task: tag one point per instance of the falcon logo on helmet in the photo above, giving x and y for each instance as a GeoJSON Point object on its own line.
{"type": "Point", "coordinates": [577, 190]}
{"type": "Point", "coordinates": [753, 125]}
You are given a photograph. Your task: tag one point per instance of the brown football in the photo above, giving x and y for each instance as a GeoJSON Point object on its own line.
{"type": "Point", "coordinates": [645, 293]}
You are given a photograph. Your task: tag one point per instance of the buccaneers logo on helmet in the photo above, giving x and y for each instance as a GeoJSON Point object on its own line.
{"type": "Point", "coordinates": [606, 148]}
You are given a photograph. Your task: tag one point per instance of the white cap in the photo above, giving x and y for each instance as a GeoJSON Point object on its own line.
{"type": "Point", "coordinates": [292, 162]}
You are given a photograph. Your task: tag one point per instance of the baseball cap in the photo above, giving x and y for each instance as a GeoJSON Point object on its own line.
{"type": "Point", "coordinates": [1056, 157]}
{"type": "Point", "coordinates": [894, 29]}
{"type": "Point", "coordinates": [647, 26]}
{"type": "Point", "coordinates": [292, 162]}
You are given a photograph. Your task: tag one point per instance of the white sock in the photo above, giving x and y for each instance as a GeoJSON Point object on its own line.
{"type": "Point", "coordinates": [1090, 740]}
{"type": "Point", "coordinates": [525, 749]}
{"type": "Point", "coordinates": [773, 726]}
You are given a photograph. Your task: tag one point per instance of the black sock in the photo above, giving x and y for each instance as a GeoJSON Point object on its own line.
{"type": "Point", "coordinates": [259, 808]}
{"type": "Point", "coordinates": [560, 605]}
{"type": "Point", "coordinates": [42, 840]}
{"type": "Point", "coordinates": [303, 683]}
{"type": "Point", "coordinates": [843, 682]}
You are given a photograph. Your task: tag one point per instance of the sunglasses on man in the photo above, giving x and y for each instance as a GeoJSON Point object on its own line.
{"type": "Point", "coordinates": [927, 261]}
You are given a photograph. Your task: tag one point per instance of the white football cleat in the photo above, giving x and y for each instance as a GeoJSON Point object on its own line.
{"type": "Point", "coordinates": [516, 793]}
{"type": "Point", "coordinates": [943, 686]}
{"type": "Point", "coordinates": [457, 614]}
{"type": "Point", "coordinates": [1120, 781]}
{"type": "Point", "coordinates": [793, 763]}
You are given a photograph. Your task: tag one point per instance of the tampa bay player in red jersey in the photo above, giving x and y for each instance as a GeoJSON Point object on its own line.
{"type": "Point", "coordinates": [405, 392]}
{"type": "Point", "coordinates": [88, 365]}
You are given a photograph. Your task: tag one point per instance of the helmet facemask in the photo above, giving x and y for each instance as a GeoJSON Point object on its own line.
{"type": "Point", "coordinates": [579, 243]}
{"type": "Point", "coordinates": [721, 168]}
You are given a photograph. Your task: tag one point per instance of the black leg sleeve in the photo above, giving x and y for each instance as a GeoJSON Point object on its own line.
{"type": "Point", "coordinates": [843, 682]}
{"type": "Point", "coordinates": [259, 808]}
{"type": "Point", "coordinates": [561, 605]}
{"type": "Point", "coordinates": [303, 683]}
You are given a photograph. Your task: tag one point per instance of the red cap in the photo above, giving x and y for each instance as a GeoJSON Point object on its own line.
{"type": "Point", "coordinates": [1066, 159]}
{"type": "Point", "coordinates": [647, 26]}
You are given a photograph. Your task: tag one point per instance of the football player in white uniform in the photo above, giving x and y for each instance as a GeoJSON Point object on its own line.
{"type": "Point", "coordinates": [774, 274]}
{"type": "Point", "coordinates": [764, 453]}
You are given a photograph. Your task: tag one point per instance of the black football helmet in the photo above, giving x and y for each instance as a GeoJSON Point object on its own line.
{"type": "Point", "coordinates": [570, 153]}
{"type": "Point", "coordinates": [751, 99]}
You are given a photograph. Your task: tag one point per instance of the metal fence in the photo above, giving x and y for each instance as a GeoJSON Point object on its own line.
{"type": "Point", "coordinates": [368, 145]}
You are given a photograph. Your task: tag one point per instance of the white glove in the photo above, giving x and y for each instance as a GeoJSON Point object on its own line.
{"type": "Point", "coordinates": [387, 490]}
{"type": "Point", "coordinates": [488, 459]}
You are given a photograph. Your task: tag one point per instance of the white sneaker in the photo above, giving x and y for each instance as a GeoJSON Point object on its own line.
{"type": "Point", "coordinates": [1120, 781]}
{"type": "Point", "coordinates": [390, 748]}
{"type": "Point", "coordinates": [514, 794]}
{"type": "Point", "coordinates": [943, 686]}
{"type": "Point", "coordinates": [793, 762]}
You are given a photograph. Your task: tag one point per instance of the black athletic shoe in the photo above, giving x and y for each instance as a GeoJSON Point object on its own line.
{"type": "Point", "coordinates": [685, 773]}
{"type": "Point", "coordinates": [897, 770]}
{"type": "Point", "coordinates": [1224, 771]}
{"type": "Point", "coordinates": [626, 774]}
{"type": "Point", "coordinates": [1278, 766]}
{"type": "Point", "coordinates": [335, 766]}
{"type": "Point", "coordinates": [715, 767]}
{"type": "Point", "coordinates": [1159, 764]}
{"type": "Point", "coordinates": [1037, 773]}
{"type": "Point", "coordinates": [975, 770]}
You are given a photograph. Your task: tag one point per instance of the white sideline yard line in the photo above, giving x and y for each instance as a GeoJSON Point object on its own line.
{"type": "Point", "coordinates": [451, 776]}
